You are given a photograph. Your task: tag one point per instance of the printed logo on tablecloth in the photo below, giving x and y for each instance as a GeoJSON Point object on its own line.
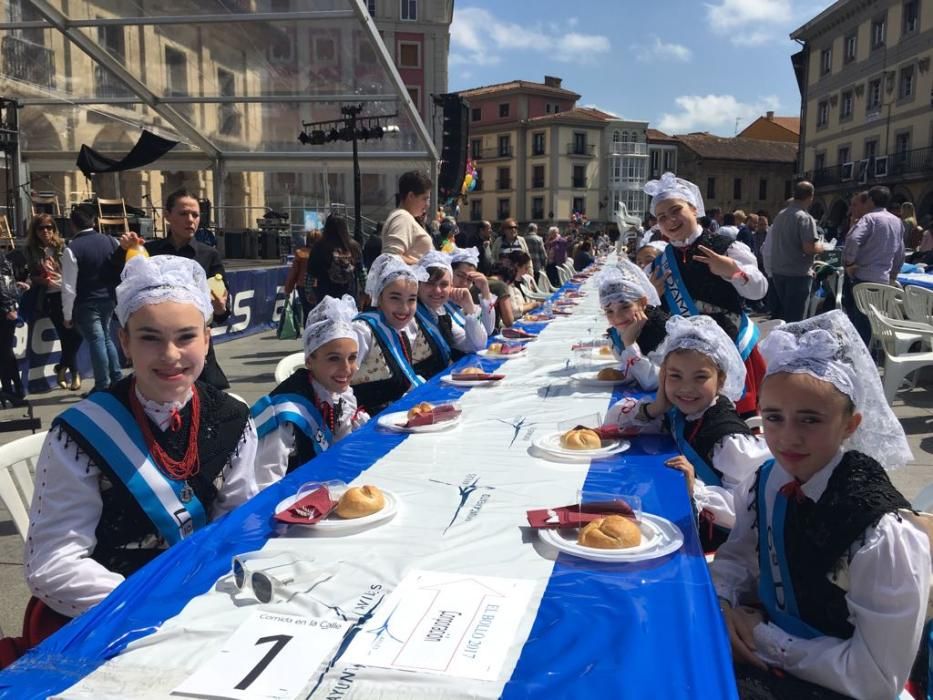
{"type": "Point", "coordinates": [467, 488]}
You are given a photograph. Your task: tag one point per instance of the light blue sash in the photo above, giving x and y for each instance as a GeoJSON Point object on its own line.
{"type": "Point", "coordinates": [702, 469]}
{"type": "Point", "coordinates": [771, 552]}
{"type": "Point", "coordinates": [112, 430]}
{"type": "Point", "coordinates": [275, 409]}
{"type": "Point", "coordinates": [616, 339]}
{"type": "Point", "coordinates": [389, 339]}
{"type": "Point", "coordinates": [455, 314]}
{"type": "Point", "coordinates": [429, 326]}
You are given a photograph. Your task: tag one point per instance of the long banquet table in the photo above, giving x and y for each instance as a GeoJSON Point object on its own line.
{"type": "Point", "coordinates": [579, 628]}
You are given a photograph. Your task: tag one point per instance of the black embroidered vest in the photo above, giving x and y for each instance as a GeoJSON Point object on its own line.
{"type": "Point", "coordinates": [718, 422]}
{"type": "Point", "coordinates": [433, 363]}
{"type": "Point", "coordinates": [446, 324]}
{"type": "Point", "coordinates": [858, 495]}
{"type": "Point", "coordinates": [123, 524]}
{"type": "Point", "coordinates": [702, 284]}
{"type": "Point", "coordinates": [654, 331]}
{"type": "Point", "coordinates": [299, 383]}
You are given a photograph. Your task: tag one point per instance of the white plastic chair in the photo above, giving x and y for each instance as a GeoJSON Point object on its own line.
{"type": "Point", "coordinates": [562, 274]}
{"type": "Point", "coordinates": [888, 300]}
{"type": "Point", "coordinates": [287, 366]}
{"type": "Point", "coordinates": [898, 364]}
{"type": "Point", "coordinates": [544, 283]}
{"type": "Point", "coordinates": [754, 423]}
{"type": "Point", "coordinates": [765, 327]}
{"type": "Point", "coordinates": [17, 474]}
{"type": "Point", "coordinates": [918, 303]}
{"type": "Point", "coordinates": [531, 290]}
{"type": "Point", "coordinates": [237, 397]}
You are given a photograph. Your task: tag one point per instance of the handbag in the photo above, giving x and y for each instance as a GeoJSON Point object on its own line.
{"type": "Point", "coordinates": [287, 329]}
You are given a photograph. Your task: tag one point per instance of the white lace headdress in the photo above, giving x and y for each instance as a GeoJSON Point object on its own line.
{"type": "Point", "coordinates": [626, 282]}
{"type": "Point", "coordinates": [385, 270]}
{"type": "Point", "coordinates": [829, 348]}
{"type": "Point", "coordinates": [329, 320]}
{"type": "Point", "coordinates": [435, 259]}
{"type": "Point", "coordinates": [465, 255]}
{"type": "Point", "coordinates": [672, 187]}
{"type": "Point", "coordinates": [159, 279]}
{"type": "Point", "coordinates": [703, 334]}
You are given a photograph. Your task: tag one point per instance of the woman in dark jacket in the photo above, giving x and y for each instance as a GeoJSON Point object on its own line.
{"type": "Point", "coordinates": [10, 288]}
{"type": "Point", "coordinates": [44, 248]}
{"type": "Point", "coordinates": [336, 262]}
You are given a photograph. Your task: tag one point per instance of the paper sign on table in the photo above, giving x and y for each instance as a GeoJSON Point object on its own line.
{"type": "Point", "coordinates": [270, 657]}
{"type": "Point", "coordinates": [451, 624]}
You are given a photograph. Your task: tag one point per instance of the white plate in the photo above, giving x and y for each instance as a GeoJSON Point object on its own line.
{"type": "Point", "coordinates": [589, 379]}
{"type": "Point", "coordinates": [395, 421]}
{"type": "Point", "coordinates": [335, 525]}
{"type": "Point", "coordinates": [486, 353]}
{"type": "Point", "coordinates": [663, 538]}
{"type": "Point", "coordinates": [448, 379]}
{"type": "Point", "coordinates": [549, 444]}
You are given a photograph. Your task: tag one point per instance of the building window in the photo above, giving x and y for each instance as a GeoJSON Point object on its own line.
{"type": "Point", "coordinates": [476, 114]}
{"type": "Point", "coordinates": [762, 188]}
{"type": "Point", "coordinates": [476, 209]}
{"type": "Point", "coordinates": [409, 11]}
{"type": "Point", "coordinates": [503, 209]}
{"type": "Point", "coordinates": [371, 6]}
{"type": "Point", "coordinates": [849, 45]}
{"type": "Point", "coordinates": [737, 188]}
{"type": "Point", "coordinates": [409, 54]}
{"type": "Point", "coordinates": [615, 173]}
{"type": "Point", "coordinates": [537, 176]}
{"type": "Point", "coordinates": [711, 188]}
{"type": "Point", "coordinates": [911, 16]}
{"type": "Point", "coordinates": [878, 29]}
{"type": "Point", "coordinates": [176, 63]}
{"type": "Point", "coordinates": [547, 107]}
{"type": "Point", "coordinates": [873, 101]}
{"type": "Point", "coordinates": [228, 115]}
{"type": "Point", "coordinates": [579, 205]}
{"type": "Point", "coordinates": [414, 92]}
{"type": "Point", "coordinates": [902, 143]}
{"type": "Point", "coordinates": [503, 110]}
{"type": "Point", "coordinates": [842, 155]}
{"type": "Point", "coordinates": [505, 179]}
{"type": "Point", "coordinates": [556, 109]}
{"type": "Point", "coordinates": [819, 163]}
{"type": "Point", "coordinates": [325, 50]}
{"type": "Point", "coordinates": [826, 61]}
{"type": "Point", "coordinates": [537, 207]}
{"type": "Point", "coordinates": [476, 149]}
{"type": "Point", "coordinates": [537, 143]}
{"type": "Point", "coordinates": [366, 52]}
{"type": "Point", "coordinates": [579, 177]}
{"type": "Point", "coordinates": [479, 180]}
{"type": "Point", "coordinates": [822, 114]}
{"type": "Point", "coordinates": [655, 163]}
{"type": "Point", "coordinates": [905, 84]}
{"type": "Point", "coordinates": [847, 105]}
{"type": "Point", "coordinates": [505, 146]}
{"type": "Point", "coordinates": [579, 143]}
{"type": "Point", "coordinates": [670, 161]}
{"type": "Point", "coordinates": [871, 148]}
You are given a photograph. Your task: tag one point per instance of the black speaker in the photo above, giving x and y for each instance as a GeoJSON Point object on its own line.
{"type": "Point", "coordinates": [456, 138]}
{"type": "Point", "coordinates": [205, 206]}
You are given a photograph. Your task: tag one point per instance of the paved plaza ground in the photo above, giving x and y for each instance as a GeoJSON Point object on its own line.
{"type": "Point", "coordinates": [250, 363]}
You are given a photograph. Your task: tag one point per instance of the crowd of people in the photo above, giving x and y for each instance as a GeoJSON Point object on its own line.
{"type": "Point", "coordinates": [821, 568]}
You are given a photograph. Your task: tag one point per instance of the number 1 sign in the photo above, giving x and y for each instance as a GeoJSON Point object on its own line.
{"type": "Point", "coordinates": [269, 657]}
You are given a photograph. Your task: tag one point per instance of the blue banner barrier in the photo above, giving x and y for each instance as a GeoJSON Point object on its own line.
{"type": "Point", "coordinates": [256, 301]}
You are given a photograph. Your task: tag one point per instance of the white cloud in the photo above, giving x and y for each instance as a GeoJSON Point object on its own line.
{"type": "Point", "coordinates": [730, 15]}
{"type": "Point", "coordinates": [714, 113]}
{"type": "Point", "coordinates": [657, 50]}
{"type": "Point", "coordinates": [477, 37]}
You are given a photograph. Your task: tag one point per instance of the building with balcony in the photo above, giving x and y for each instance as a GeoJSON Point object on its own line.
{"type": "Point", "coordinates": [541, 158]}
{"type": "Point", "coordinates": [865, 82]}
{"type": "Point", "coordinates": [662, 153]}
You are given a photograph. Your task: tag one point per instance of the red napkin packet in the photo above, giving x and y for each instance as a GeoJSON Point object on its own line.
{"type": "Point", "coordinates": [438, 414]}
{"type": "Point", "coordinates": [562, 312]}
{"type": "Point", "coordinates": [517, 333]}
{"type": "Point", "coordinates": [309, 509]}
{"type": "Point", "coordinates": [576, 515]}
{"type": "Point", "coordinates": [510, 350]}
{"type": "Point", "coordinates": [484, 377]}
{"type": "Point", "coordinates": [614, 432]}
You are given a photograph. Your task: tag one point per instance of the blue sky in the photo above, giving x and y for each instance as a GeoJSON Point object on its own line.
{"type": "Point", "coordinates": [682, 65]}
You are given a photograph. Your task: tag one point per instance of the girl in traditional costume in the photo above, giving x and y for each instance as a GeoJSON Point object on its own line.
{"type": "Point", "coordinates": [824, 545]}
{"type": "Point", "coordinates": [315, 407]}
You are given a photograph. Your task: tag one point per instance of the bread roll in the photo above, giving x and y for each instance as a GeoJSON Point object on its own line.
{"type": "Point", "coordinates": [605, 350]}
{"type": "Point", "coordinates": [611, 532]}
{"type": "Point", "coordinates": [420, 409]}
{"type": "Point", "coordinates": [581, 439]}
{"type": "Point", "coordinates": [610, 374]}
{"type": "Point", "coordinates": [495, 348]}
{"type": "Point", "coordinates": [359, 501]}
{"type": "Point", "coordinates": [472, 370]}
